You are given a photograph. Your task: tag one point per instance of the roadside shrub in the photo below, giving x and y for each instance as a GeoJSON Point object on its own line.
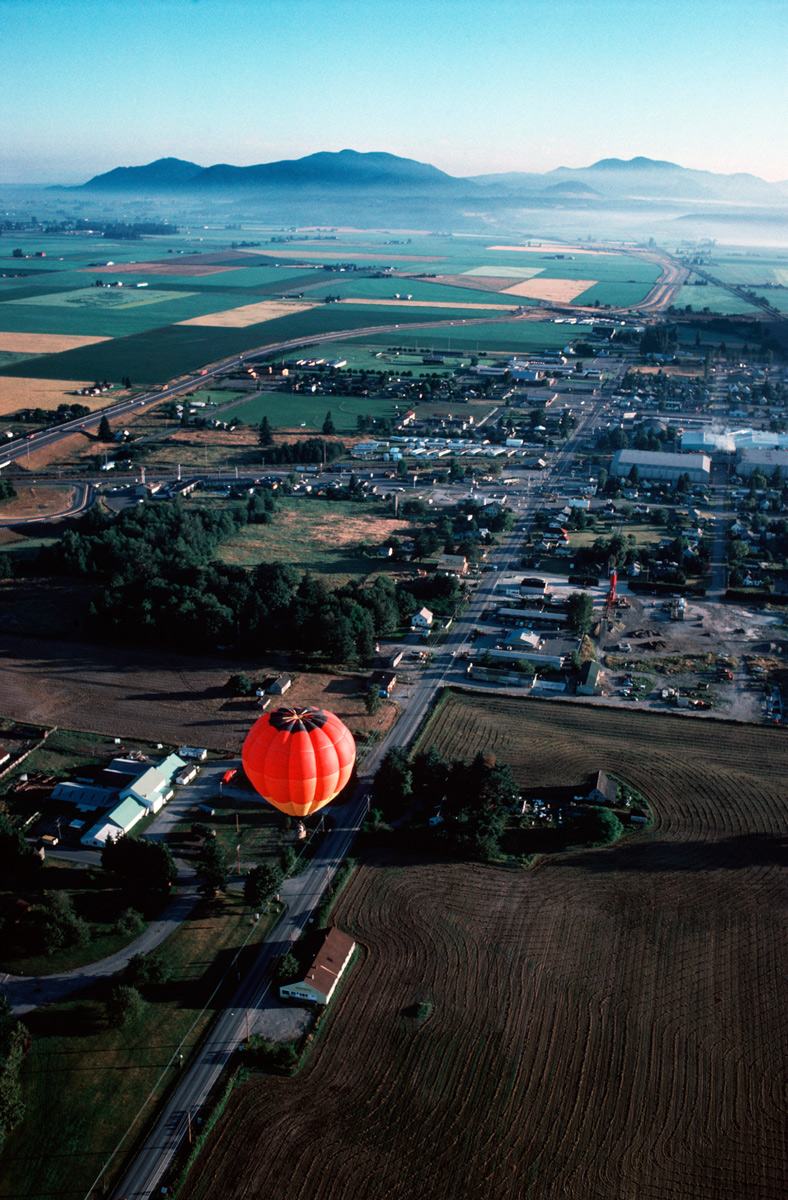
{"type": "Point", "coordinates": [130, 922]}
{"type": "Point", "coordinates": [123, 1006]}
{"type": "Point", "coordinates": [286, 968]}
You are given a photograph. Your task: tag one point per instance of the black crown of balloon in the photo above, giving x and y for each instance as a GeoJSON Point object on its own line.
{"type": "Point", "coordinates": [298, 720]}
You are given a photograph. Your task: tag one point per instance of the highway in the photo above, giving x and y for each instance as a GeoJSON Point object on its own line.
{"type": "Point", "coordinates": [23, 448]}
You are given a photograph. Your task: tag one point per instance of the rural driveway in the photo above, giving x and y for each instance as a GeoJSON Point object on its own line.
{"type": "Point", "coordinates": [24, 993]}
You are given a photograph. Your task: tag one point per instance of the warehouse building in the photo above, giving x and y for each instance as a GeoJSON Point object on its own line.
{"type": "Point", "coordinates": [661, 467]}
{"type": "Point", "coordinates": [754, 459]}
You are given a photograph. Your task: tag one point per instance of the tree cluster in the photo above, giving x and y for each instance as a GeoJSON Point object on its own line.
{"type": "Point", "coordinates": [310, 450]}
{"type": "Point", "coordinates": [134, 859]}
{"type": "Point", "coordinates": [474, 798]}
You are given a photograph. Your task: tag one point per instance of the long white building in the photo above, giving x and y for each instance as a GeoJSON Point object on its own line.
{"type": "Point", "coordinates": [661, 467]}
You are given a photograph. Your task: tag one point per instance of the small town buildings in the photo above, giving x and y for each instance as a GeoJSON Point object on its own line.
{"type": "Point", "coordinates": [589, 678]}
{"type": "Point", "coordinates": [603, 790]}
{"type": "Point", "coordinates": [170, 766]}
{"type": "Point", "coordinates": [753, 458]}
{"type": "Point", "coordinates": [151, 790]}
{"type": "Point", "coordinates": [422, 620]}
{"type": "Point", "coordinates": [320, 981]}
{"type": "Point", "coordinates": [280, 685]}
{"type": "Point", "coordinates": [119, 820]}
{"type": "Point", "coordinates": [452, 564]}
{"type": "Point", "coordinates": [83, 795]}
{"type": "Point", "coordinates": [384, 681]}
{"type": "Point", "coordinates": [199, 753]}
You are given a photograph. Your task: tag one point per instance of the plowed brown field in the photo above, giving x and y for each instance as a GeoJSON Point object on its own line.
{"type": "Point", "coordinates": [610, 1025]}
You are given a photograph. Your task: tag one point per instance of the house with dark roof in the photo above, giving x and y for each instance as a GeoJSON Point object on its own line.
{"type": "Point", "coordinates": [603, 790]}
{"type": "Point", "coordinates": [589, 678]}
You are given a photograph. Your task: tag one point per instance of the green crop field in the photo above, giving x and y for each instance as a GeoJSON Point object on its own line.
{"type": "Point", "coordinates": [504, 336]}
{"type": "Point", "coordinates": [750, 269]}
{"type": "Point", "coordinates": [777, 297]}
{"type": "Point", "coordinates": [716, 299]}
{"type": "Point", "coordinates": [612, 292]}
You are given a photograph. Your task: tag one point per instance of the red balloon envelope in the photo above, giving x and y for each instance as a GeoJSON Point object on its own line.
{"type": "Point", "coordinates": [299, 758]}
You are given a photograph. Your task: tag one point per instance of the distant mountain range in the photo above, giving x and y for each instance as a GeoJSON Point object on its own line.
{"type": "Point", "coordinates": [611, 180]}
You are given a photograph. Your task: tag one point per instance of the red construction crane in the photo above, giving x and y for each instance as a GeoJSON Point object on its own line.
{"type": "Point", "coordinates": [611, 595]}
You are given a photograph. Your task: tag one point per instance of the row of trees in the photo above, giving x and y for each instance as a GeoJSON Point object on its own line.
{"type": "Point", "coordinates": [15, 1042]}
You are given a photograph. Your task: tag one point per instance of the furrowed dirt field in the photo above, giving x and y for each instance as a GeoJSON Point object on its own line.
{"type": "Point", "coordinates": [158, 697]}
{"type": "Point", "coordinates": [609, 1025]}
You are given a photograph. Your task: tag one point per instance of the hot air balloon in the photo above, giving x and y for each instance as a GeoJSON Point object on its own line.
{"type": "Point", "coordinates": [299, 759]}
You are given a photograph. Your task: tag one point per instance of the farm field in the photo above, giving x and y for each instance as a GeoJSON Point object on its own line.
{"type": "Point", "coordinates": [777, 297]}
{"type": "Point", "coordinates": [606, 1025]}
{"type": "Point", "coordinates": [751, 268]}
{"type": "Point", "coordinates": [202, 281]}
{"type": "Point", "coordinates": [43, 393]}
{"type": "Point", "coordinates": [503, 337]}
{"type": "Point", "coordinates": [716, 299]}
{"type": "Point", "coordinates": [154, 697]}
{"type": "Point", "coordinates": [157, 355]}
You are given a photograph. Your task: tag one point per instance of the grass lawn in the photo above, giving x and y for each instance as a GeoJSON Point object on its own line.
{"type": "Point", "coordinates": [84, 1082]}
{"type": "Point", "coordinates": [258, 828]}
{"type": "Point", "coordinates": [644, 535]}
{"type": "Point", "coordinates": [321, 536]}
{"type": "Point", "coordinates": [296, 410]}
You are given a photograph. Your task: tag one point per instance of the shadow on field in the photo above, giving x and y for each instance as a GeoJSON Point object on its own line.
{"type": "Point", "coordinates": [190, 694]}
{"type": "Point", "coordinates": [739, 852]}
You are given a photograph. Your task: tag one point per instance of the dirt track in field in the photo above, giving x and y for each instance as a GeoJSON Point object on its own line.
{"type": "Point", "coordinates": [607, 1026]}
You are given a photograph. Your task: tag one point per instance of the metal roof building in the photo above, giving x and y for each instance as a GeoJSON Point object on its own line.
{"type": "Point", "coordinates": [661, 466]}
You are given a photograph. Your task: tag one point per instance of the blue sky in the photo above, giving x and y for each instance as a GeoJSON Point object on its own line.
{"type": "Point", "coordinates": [503, 85]}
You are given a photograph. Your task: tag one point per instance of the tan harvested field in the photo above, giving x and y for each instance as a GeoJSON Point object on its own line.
{"type": "Point", "coordinates": [365, 300]}
{"type": "Point", "coordinates": [70, 450]}
{"type": "Point", "coordinates": [36, 502]}
{"type": "Point", "coordinates": [250, 314]}
{"type": "Point", "coordinates": [42, 393]}
{"type": "Point", "coordinates": [552, 248]}
{"type": "Point", "coordinates": [159, 697]}
{"type": "Point", "coordinates": [561, 291]}
{"type": "Point", "coordinates": [609, 1025]}
{"type": "Point", "coordinates": [45, 343]}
